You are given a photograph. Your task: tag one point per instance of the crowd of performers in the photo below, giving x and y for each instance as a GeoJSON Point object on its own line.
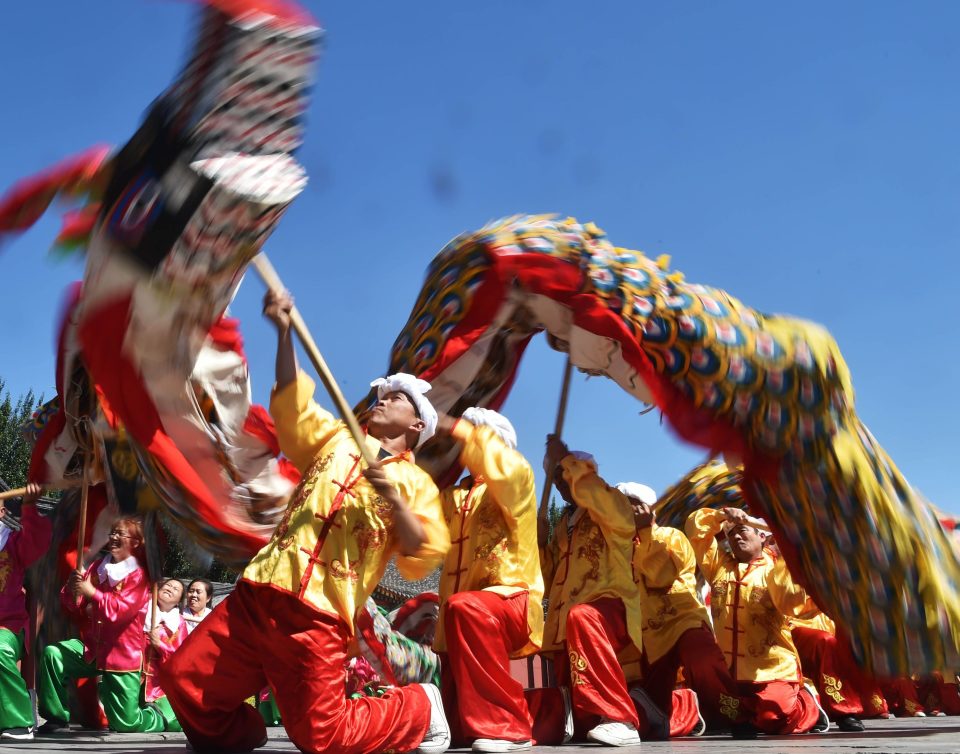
{"type": "Point", "coordinates": [652, 631]}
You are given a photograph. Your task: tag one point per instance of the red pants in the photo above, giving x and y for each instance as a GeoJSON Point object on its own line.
{"type": "Point", "coordinates": [829, 664]}
{"type": "Point", "coordinates": [937, 695]}
{"type": "Point", "coordinates": [549, 716]}
{"type": "Point", "coordinates": [482, 699]}
{"type": "Point", "coordinates": [779, 707]}
{"type": "Point", "coordinates": [596, 632]}
{"type": "Point", "coordinates": [684, 713]}
{"type": "Point", "coordinates": [705, 671]}
{"type": "Point", "coordinates": [258, 636]}
{"type": "Point", "coordinates": [902, 697]}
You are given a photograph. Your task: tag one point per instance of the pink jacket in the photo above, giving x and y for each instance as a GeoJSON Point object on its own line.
{"type": "Point", "coordinates": [154, 658]}
{"type": "Point", "coordinates": [23, 548]}
{"type": "Point", "coordinates": [112, 628]}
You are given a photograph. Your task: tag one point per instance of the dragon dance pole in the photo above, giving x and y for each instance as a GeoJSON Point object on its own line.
{"type": "Point", "coordinates": [82, 522]}
{"type": "Point", "coordinates": [21, 491]}
{"type": "Point", "coordinates": [272, 280]}
{"type": "Point", "coordinates": [557, 430]}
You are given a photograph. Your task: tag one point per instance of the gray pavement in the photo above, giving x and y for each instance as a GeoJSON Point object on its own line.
{"type": "Point", "coordinates": [897, 736]}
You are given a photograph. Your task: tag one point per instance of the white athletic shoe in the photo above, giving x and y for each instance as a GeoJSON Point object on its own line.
{"type": "Point", "coordinates": [823, 721]}
{"type": "Point", "coordinates": [18, 734]}
{"type": "Point", "coordinates": [437, 738]}
{"type": "Point", "coordinates": [611, 733]}
{"type": "Point", "coordinates": [567, 714]}
{"type": "Point", "coordinates": [656, 718]}
{"type": "Point", "coordinates": [494, 745]}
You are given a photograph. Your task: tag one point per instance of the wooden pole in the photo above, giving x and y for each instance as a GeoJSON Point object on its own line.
{"type": "Point", "coordinates": [557, 430]}
{"type": "Point", "coordinates": [82, 524]}
{"type": "Point", "coordinates": [154, 598]}
{"type": "Point", "coordinates": [21, 491]}
{"type": "Point", "coordinates": [272, 280]}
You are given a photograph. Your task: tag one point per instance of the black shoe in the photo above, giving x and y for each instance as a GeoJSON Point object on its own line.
{"type": "Point", "coordinates": [53, 726]}
{"type": "Point", "coordinates": [850, 724]}
{"type": "Point", "coordinates": [743, 731]}
{"type": "Point", "coordinates": [18, 734]}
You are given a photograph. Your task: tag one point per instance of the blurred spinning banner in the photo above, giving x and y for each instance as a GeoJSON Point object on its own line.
{"type": "Point", "coordinates": [146, 358]}
{"type": "Point", "coordinates": [770, 390]}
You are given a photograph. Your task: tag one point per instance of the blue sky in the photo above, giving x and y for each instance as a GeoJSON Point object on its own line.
{"type": "Point", "coordinates": [804, 157]}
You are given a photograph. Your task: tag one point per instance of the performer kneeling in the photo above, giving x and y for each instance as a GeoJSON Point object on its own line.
{"type": "Point", "coordinates": [164, 639]}
{"type": "Point", "coordinates": [290, 619]}
{"type": "Point", "coordinates": [491, 587]}
{"type": "Point", "coordinates": [676, 627]}
{"type": "Point", "coordinates": [594, 603]}
{"type": "Point", "coordinates": [752, 594]}
{"type": "Point", "coordinates": [109, 599]}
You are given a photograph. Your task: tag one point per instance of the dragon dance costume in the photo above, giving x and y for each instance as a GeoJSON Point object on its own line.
{"type": "Point", "coordinates": [771, 391]}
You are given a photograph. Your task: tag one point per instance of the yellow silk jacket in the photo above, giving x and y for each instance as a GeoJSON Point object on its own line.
{"type": "Point", "coordinates": [664, 566]}
{"type": "Point", "coordinates": [589, 555]}
{"type": "Point", "coordinates": [493, 527]}
{"type": "Point", "coordinates": [751, 604]}
{"type": "Point", "coordinates": [336, 537]}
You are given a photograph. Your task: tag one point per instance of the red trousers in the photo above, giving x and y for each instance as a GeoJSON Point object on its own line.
{"type": "Point", "coordinates": [480, 696]}
{"type": "Point", "coordinates": [596, 632]}
{"type": "Point", "coordinates": [937, 695]}
{"type": "Point", "coordinates": [779, 707]}
{"type": "Point", "coordinates": [259, 636]}
{"type": "Point", "coordinates": [829, 664]}
{"type": "Point", "coordinates": [902, 696]}
{"type": "Point", "coordinates": [548, 713]}
{"type": "Point", "coordinates": [705, 671]}
{"type": "Point", "coordinates": [684, 713]}
{"type": "Point", "coordinates": [547, 710]}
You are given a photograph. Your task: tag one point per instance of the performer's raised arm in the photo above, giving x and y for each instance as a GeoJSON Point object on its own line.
{"type": "Point", "coordinates": [303, 426]}
{"type": "Point", "coordinates": [605, 504]}
{"type": "Point", "coordinates": [506, 473]}
{"type": "Point", "coordinates": [701, 530]}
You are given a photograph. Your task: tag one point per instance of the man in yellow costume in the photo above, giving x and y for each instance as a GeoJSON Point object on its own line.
{"type": "Point", "coordinates": [491, 587]}
{"type": "Point", "coordinates": [290, 620]}
{"type": "Point", "coordinates": [676, 627]}
{"type": "Point", "coordinates": [594, 604]}
{"type": "Point", "coordinates": [752, 597]}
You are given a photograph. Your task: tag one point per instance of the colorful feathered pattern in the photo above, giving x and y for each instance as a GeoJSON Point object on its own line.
{"type": "Point", "coordinates": [709, 485]}
{"type": "Point", "coordinates": [770, 390]}
{"type": "Point", "coordinates": [175, 216]}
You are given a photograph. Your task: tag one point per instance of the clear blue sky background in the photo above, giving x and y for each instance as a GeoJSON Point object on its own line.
{"type": "Point", "coordinates": [803, 157]}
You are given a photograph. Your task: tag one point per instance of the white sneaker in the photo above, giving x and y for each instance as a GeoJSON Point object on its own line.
{"type": "Point", "coordinates": [567, 714]}
{"type": "Point", "coordinates": [823, 721]}
{"type": "Point", "coordinates": [656, 718]}
{"type": "Point", "coordinates": [437, 738]}
{"type": "Point", "coordinates": [18, 734]}
{"type": "Point", "coordinates": [611, 733]}
{"type": "Point", "coordinates": [494, 745]}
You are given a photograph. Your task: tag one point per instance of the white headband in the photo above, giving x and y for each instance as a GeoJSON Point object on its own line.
{"type": "Point", "coordinates": [414, 388]}
{"type": "Point", "coordinates": [638, 491]}
{"type": "Point", "coordinates": [485, 417]}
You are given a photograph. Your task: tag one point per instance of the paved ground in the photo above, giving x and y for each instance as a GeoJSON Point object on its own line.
{"type": "Point", "coordinates": [901, 736]}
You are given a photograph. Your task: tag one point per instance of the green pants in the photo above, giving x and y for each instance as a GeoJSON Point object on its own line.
{"type": "Point", "coordinates": [119, 692]}
{"type": "Point", "coordinates": [169, 719]}
{"type": "Point", "coordinates": [269, 712]}
{"type": "Point", "coordinates": [16, 710]}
